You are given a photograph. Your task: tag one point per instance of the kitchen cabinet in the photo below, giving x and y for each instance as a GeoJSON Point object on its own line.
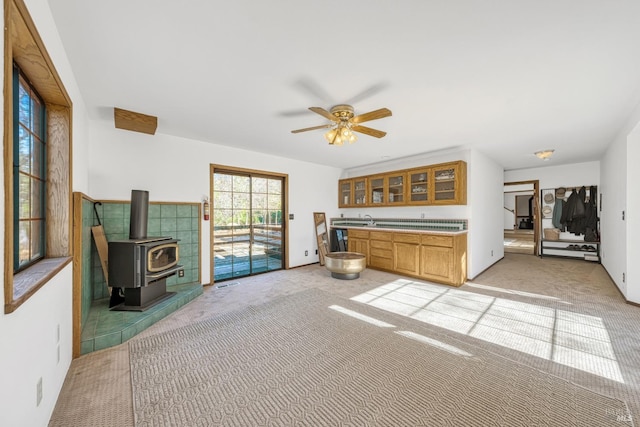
{"type": "Point", "coordinates": [437, 257]}
{"type": "Point", "coordinates": [396, 188]}
{"type": "Point", "coordinates": [377, 190]}
{"type": "Point", "coordinates": [441, 184]}
{"type": "Point", "coordinates": [358, 241]}
{"type": "Point", "coordinates": [444, 258]}
{"type": "Point", "coordinates": [381, 249]}
{"type": "Point", "coordinates": [449, 184]}
{"type": "Point", "coordinates": [345, 193]}
{"type": "Point", "coordinates": [406, 253]}
{"type": "Point", "coordinates": [419, 187]}
{"type": "Point", "coordinates": [352, 192]}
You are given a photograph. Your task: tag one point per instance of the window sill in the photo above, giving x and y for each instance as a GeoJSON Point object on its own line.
{"type": "Point", "coordinates": [28, 281]}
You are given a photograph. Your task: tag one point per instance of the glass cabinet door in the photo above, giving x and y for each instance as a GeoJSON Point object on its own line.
{"type": "Point", "coordinates": [419, 186]}
{"type": "Point", "coordinates": [360, 191]}
{"type": "Point", "coordinates": [396, 188]}
{"type": "Point", "coordinates": [445, 183]}
{"type": "Point", "coordinates": [345, 193]}
{"type": "Point", "coordinates": [376, 190]}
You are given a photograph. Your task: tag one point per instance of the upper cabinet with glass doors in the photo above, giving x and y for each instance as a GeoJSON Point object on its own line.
{"type": "Point", "coordinates": [441, 184]}
{"type": "Point", "coordinates": [352, 193]}
{"type": "Point", "coordinates": [396, 188]}
{"type": "Point", "coordinates": [447, 180]}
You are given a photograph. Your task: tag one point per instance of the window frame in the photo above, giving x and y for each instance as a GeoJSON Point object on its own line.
{"type": "Point", "coordinates": [24, 46]}
{"type": "Point", "coordinates": [20, 79]}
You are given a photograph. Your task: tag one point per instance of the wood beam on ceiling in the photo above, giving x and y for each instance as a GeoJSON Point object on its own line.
{"type": "Point", "coordinates": [133, 121]}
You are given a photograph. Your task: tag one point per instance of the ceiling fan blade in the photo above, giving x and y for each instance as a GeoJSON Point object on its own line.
{"type": "Point", "coordinates": [367, 93]}
{"type": "Point", "coordinates": [313, 88]}
{"type": "Point", "coordinates": [313, 128]}
{"type": "Point", "coordinates": [368, 131]}
{"type": "Point", "coordinates": [371, 115]}
{"type": "Point", "coordinates": [324, 113]}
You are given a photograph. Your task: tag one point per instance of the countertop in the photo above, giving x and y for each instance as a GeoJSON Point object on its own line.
{"type": "Point", "coordinates": [400, 229]}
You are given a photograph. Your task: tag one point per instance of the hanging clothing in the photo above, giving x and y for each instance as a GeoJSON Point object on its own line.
{"type": "Point", "coordinates": [557, 214]}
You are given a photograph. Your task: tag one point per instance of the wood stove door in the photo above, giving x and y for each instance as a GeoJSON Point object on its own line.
{"type": "Point", "coordinates": [162, 257]}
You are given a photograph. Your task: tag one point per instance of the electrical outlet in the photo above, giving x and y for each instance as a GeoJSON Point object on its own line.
{"type": "Point", "coordinates": [491, 253]}
{"type": "Point", "coordinates": [316, 252]}
{"type": "Point", "coordinates": [306, 253]}
{"type": "Point", "coordinates": [58, 333]}
{"type": "Point", "coordinates": [180, 273]}
{"type": "Point", "coordinates": [623, 277]}
{"type": "Point", "coordinates": [39, 392]}
{"type": "Point", "coordinates": [58, 354]}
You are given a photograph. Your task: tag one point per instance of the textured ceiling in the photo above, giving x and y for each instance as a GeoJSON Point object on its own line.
{"type": "Point", "coordinates": [505, 77]}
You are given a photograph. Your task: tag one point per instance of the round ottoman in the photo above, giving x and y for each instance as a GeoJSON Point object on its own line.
{"type": "Point", "coordinates": [345, 265]}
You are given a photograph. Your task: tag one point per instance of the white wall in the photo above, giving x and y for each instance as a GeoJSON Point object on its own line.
{"type": "Point", "coordinates": [30, 334]}
{"type": "Point", "coordinates": [572, 175]}
{"type": "Point", "coordinates": [613, 230]}
{"type": "Point", "coordinates": [177, 170]}
{"type": "Point", "coordinates": [485, 189]}
{"type": "Point", "coordinates": [632, 216]}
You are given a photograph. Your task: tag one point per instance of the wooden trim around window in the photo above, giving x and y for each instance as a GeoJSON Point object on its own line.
{"type": "Point", "coordinates": [23, 45]}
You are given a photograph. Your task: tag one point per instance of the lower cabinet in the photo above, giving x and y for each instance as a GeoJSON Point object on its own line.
{"type": "Point", "coordinates": [406, 253]}
{"type": "Point", "coordinates": [444, 258]}
{"type": "Point", "coordinates": [381, 249]}
{"type": "Point", "coordinates": [435, 257]}
{"type": "Point", "coordinates": [358, 241]}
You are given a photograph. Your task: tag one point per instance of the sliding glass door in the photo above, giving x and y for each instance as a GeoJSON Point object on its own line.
{"type": "Point", "coordinates": [247, 219]}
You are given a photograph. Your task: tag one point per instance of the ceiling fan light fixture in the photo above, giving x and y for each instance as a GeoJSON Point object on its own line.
{"type": "Point", "coordinates": [544, 154]}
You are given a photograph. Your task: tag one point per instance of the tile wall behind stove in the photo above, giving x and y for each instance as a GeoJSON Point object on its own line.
{"type": "Point", "coordinates": [177, 220]}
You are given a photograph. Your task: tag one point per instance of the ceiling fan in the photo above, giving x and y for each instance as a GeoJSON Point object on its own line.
{"type": "Point", "coordinates": [344, 123]}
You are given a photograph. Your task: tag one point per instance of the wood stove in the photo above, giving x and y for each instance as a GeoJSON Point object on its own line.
{"type": "Point", "coordinates": [140, 265]}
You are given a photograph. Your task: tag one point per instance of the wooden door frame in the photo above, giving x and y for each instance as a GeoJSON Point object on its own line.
{"type": "Point", "coordinates": [285, 209]}
{"type": "Point", "coordinates": [536, 211]}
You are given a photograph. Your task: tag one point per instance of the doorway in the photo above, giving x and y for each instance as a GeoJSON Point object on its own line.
{"type": "Point", "coordinates": [248, 222]}
{"type": "Point", "coordinates": [521, 217]}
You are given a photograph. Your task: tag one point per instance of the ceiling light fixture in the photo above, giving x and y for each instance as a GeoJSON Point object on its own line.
{"type": "Point", "coordinates": [544, 155]}
{"type": "Point", "coordinates": [340, 134]}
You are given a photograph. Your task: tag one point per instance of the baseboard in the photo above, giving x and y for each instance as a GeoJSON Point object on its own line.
{"type": "Point", "coordinates": [497, 261]}
{"type": "Point", "coordinates": [618, 288]}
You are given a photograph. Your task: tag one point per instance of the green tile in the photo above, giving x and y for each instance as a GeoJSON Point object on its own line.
{"type": "Point", "coordinates": [168, 225]}
{"type": "Point", "coordinates": [112, 210]}
{"type": "Point", "coordinates": [86, 346]}
{"type": "Point", "coordinates": [108, 340]}
{"type": "Point", "coordinates": [185, 248]}
{"type": "Point", "coordinates": [154, 211]}
{"type": "Point", "coordinates": [183, 211]}
{"type": "Point", "coordinates": [114, 225]}
{"type": "Point", "coordinates": [195, 236]}
{"type": "Point", "coordinates": [184, 237]}
{"type": "Point", "coordinates": [153, 227]}
{"type": "Point", "coordinates": [184, 224]}
{"type": "Point", "coordinates": [195, 223]}
{"type": "Point", "coordinates": [168, 211]}
{"type": "Point", "coordinates": [129, 332]}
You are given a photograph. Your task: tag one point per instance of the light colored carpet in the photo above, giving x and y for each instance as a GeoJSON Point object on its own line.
{"type": "Point", "coordinates": [97, 390]}
{"type": "Point", "coordinates": [303, 359]}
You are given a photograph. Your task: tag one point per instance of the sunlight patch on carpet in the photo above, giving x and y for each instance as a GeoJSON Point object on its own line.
{"type": "Point", "coordinates": [572, 339]}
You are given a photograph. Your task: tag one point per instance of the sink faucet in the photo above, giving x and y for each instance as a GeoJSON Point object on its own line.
{"type": "Point", "coordinates": [371, 221]}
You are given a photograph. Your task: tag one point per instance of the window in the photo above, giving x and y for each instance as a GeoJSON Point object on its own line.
{"type": "Point", "coordinates": [39, 186]}
{"type": "Point", "coordinates": [28, 173]}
